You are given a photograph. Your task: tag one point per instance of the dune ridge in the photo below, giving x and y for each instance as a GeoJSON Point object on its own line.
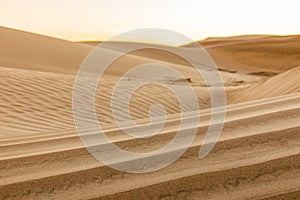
{"type": "Point", "coordinates": [237, 143]}
{"type": "Point", "coordinates": [282, 84]}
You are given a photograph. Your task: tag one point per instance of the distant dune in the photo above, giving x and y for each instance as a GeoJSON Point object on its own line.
{"type": "Point", "coordinates": [36, 52]}
{"type": "Point", "coordinates": [249, 53]}
{"type": "Point", "coordinates": [256, 157]}
{"type": "Point", "coordinates": [255, 53]}
{"type": "Point", "coordinates": [245, 54]}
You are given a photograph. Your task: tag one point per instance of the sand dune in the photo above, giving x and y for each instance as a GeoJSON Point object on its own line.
{"type": "Point", "coordinates": [31, 51]}
{"type": "Point", "coordinates": [250, 54]}
{"type": "Point", "coordinates": [282, 84]}
{"type": "Point", "coordinates": [257, 156]}
{"type": "Point", "coordinates": [255, 53]}
{"type": "Point", "coordinates": [249, 159]}
{"type": "Point", "coordinates": [258, 54]}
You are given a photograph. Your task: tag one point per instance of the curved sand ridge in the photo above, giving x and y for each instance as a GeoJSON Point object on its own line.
{"type": "Point", "coordinates": [250, 153]}
{"type": "Point", "coordinates": [282, 84]}
{"type": "Point", "coordinates": [42, 157]}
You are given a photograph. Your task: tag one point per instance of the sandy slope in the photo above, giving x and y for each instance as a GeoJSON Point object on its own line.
{"type": "Point", "coordinates": [254, 54]}
{"type": "Point", "coordinates": [282, 84]}
{"type": "Point", "coordinates": [244, 164]}
{"type": "Point", "coordinates": [258, 54]}
{"type": "Point", "coordinates": [31, 51]}
{"type": "Point", "coordinates": [41, 156]}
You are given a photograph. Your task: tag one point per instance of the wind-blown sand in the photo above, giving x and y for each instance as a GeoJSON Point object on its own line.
{"type": "Point", "coordinates": [257, 156]}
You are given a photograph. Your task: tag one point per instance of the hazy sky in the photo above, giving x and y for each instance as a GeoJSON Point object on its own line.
{"type": "Point", "coordinates": [100, 19]}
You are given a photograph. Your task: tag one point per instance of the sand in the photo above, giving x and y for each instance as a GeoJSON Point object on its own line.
{"type": "Point", "coordinates": [257, 156]}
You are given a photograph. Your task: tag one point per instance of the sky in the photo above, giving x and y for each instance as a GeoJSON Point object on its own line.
{"type": "Point", "coordinates": [197, 19]}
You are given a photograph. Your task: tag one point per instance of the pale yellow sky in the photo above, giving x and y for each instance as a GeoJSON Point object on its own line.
{"type": "Point", "coordinates": [197, 19]}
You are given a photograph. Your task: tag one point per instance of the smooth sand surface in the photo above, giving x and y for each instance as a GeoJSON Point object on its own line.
{"type": "Point", "coordinates": [282, 84]}
{"type": "Point", "coordinates": [257, 156]}
{"type": "Point", "coordinates": [255, 54]}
